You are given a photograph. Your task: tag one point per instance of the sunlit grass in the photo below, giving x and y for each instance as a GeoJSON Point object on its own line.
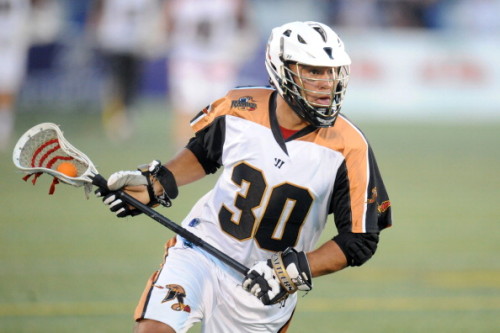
{"type": "Point", "coordinates": [67, 264]}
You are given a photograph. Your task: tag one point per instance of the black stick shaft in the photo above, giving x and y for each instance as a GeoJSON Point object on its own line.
{"type": "Point", "coordinates": [99, 181]}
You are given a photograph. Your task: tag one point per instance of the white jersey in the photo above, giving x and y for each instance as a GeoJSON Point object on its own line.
{"type": "Point", "coordinates": [272, 193]}
{"type": "Point", "coordinates": [203, 30]}
{"type": "Point", "coordinates": [14, 16]}
{"type": "Point", "coordinates": [275, 193]}
{"type": "Point", "coordinates": [123, 25]}
{"type": "Point", "coordinates": [14, 42]}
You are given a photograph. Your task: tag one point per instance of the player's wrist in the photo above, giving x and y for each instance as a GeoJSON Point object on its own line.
{"type": "Point", "coordinates": [164, 186]}
{"type": "Point", "coordinates": [157, 188]}
{"type": "Point", "coordinates": [293, 270]}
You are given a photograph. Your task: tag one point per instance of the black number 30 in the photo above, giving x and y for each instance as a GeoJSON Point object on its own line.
{"type": "Point", "coordinates": [283, 216]}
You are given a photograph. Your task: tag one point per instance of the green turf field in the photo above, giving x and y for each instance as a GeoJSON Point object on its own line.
{"type": "Point", "coordinates": [68, 265]}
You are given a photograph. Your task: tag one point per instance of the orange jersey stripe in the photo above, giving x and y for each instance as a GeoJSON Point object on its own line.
{"type": "Point", "coordinates": [346, 139]}
{"type": "Point", "coordinates": [239, 103]}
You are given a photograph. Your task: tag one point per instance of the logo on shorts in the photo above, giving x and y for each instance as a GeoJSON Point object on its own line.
{"type": "Point", "coordinates": [244, 103]}
{"type": "Point", "coordinates": [175, 292]}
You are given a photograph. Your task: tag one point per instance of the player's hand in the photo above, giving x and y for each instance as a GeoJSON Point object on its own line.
{"type": "Point", "coordinates": [133, 183]}
{"type": "Point", "coordinates": [273, 280]}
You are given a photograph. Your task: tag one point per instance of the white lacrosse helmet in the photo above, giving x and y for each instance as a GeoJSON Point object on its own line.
{"type": "Point", "coordinates": [298, 44]}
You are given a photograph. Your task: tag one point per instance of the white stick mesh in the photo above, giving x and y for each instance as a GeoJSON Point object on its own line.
{"type": "Point", "coordinates": [43, 148]}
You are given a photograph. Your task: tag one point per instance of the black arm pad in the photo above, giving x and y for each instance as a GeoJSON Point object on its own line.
{"type": "Point", "coordinates": [358, 248]}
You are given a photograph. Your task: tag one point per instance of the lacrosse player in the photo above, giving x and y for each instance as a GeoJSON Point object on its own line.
{"type": "Point", "coordinates": [122, 32]}
{"type": "Point", "coordinates": [14, 45]}
{"type": "Point", "coordinates": [206, 44]}
{"type": "Point", "coordinates": [287, 159]}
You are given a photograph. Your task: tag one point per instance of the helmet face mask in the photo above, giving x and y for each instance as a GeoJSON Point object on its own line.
{"type": "Point", "coordinates": [319, 90]}
{"type": "Point", "coordinates": [308, 66]}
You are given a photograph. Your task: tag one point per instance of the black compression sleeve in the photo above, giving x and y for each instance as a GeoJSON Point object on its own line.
{"type": "Point", "coordinates": [207, 145]}
{"type": "Point", "coordinates": [358, 248]}
{"type": "Point", "coordinates": [197, 149]}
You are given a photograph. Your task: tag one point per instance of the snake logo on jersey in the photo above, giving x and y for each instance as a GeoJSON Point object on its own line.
{"type": "Point", "coordinates": [383, 206]}
{"type": "Point", "coordinates": [244, 103]}
{"type": "Point", "coordinates": [175, 292]}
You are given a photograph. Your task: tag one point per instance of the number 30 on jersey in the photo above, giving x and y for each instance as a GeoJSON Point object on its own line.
{"type": "Point", "coordinates": [283, 216]}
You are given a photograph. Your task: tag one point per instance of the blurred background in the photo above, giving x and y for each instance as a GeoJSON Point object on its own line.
{"type": "Point", "coordinates": [123, 77]}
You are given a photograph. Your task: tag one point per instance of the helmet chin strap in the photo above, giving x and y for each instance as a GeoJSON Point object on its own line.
{"type": "Point", "coordinates": [302, 112]}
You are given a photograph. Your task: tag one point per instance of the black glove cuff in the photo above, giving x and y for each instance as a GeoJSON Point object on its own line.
{"type": "Point", "coordinates": [166, 180]}
{"type": "Point", "coordinates": [300, 259]}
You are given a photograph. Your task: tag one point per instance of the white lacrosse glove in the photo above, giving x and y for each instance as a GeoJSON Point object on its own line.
{"type": "Point", "coordinates": [284, 273]}
{"type": "Point", "coordinates": [121, 179]}
{"type": "Point", "coordinates": [118, 181]}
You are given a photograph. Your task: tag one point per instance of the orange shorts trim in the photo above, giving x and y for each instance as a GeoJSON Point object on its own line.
{"type": "Point", "coordinates": [140, 309]}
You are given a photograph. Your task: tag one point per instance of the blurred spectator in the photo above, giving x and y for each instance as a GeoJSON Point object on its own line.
{"type": "Point", "coordinates": [22, 23]}
{"type": "Point", "coordinates": [427, 14]}
{"type": "Point", "coordinates": [14, 41]}
{"type": "Point", "coordinates": [208, 42]}
{"type": "Point", "coordinates": [474, 16]}
{"type": "Point", "coordinates": [126, 32]}
{"type": "Point", "coordinates": [403, 13]}
{"type": "Point", "coordinates": [354, 13]}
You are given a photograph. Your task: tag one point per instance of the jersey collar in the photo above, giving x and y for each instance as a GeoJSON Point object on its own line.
{"type": "Point", "coordinates": [275, 127]}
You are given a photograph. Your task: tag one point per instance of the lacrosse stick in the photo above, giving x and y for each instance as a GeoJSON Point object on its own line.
{"type": "Point", "coordinates": [42, 148]}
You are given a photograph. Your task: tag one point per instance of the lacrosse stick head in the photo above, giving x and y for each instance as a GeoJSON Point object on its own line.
{"type": "Point", "coordinates": [43, 148]}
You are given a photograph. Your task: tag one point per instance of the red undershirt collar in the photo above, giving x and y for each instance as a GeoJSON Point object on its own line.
{"type": "Point", "coordinates": [287, 132]}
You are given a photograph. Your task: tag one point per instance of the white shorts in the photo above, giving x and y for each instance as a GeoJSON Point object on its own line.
{"type": "Point", "coordinates": [192, 286]}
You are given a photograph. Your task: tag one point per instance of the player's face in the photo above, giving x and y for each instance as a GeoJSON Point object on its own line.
{"type": "Point", "coordinates": [317, 83]}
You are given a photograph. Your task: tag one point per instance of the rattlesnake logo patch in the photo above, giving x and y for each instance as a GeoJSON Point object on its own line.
{"type": "Point", "coordinates": [175, 292]}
